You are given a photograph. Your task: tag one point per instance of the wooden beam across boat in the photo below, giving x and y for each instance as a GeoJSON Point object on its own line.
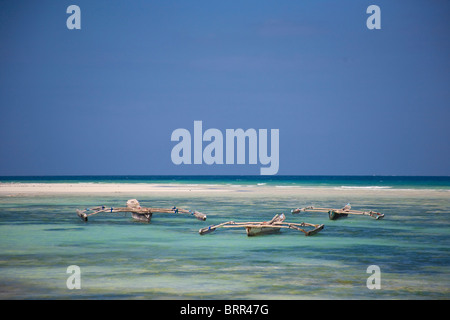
{"type": "Point", "coordinates": [138, 213]}
{"type": "Point", "coordinates": [334, 214]}
{"type": "Point", "coordinates": [266, 227]}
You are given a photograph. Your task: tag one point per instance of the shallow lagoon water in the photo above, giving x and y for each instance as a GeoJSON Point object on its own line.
{"type": "Point", "coordinates": [40, 236]}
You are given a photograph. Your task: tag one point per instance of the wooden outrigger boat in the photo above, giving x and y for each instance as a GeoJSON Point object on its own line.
{"type": "Point", "coordinates": [267, 227]}
{"type": "Point", "coordinates": [137, 212]}
{"type": "Point", "coordinates": [334, 214]}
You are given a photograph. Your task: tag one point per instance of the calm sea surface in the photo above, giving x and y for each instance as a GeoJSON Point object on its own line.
{"type": "Point", "coordinates": [40, 236]}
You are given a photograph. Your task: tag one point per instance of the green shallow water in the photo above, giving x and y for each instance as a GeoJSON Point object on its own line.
{"type": "Point", "coordinates": [40, 236]}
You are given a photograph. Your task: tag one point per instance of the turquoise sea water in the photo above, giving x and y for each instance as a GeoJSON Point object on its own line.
{"type": "Point", "coordinates": [40, 236]}
{"type": "Point", "coordinates": [431, 182]}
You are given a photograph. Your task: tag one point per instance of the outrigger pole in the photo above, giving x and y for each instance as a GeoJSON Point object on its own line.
{"type": "Point", "coordinates": [138, 212]}
{"type": "Point", "coordinates": [334, 214]}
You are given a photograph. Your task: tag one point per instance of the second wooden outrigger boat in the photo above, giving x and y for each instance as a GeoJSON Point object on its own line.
{"type": "Point", "coordinates": [334, 214]}
{"type": "Point", "coordinates": [266, 227]}
{"type": "Point", "coordinates": [137, 212]}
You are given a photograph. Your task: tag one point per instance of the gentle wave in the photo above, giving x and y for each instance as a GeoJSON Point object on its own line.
{"type": "Point", "coordinates": [364, 187]}
{"type": "Point", "coordinates": [288, 186]}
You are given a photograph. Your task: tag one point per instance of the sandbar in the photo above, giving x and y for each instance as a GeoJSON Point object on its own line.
{"type": "Point", "coordinates": [27, 189]}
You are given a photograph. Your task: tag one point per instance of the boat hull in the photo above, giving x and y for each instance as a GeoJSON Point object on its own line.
{"type": "Point", "coordinates": [142, 217]}
{"type": "Point", "coordinates": [333, 215]}
{"type": "Point", "coordinates": [255, 231]}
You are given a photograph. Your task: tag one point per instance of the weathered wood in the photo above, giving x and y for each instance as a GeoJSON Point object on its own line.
{"type": "Point", "coordinates": [197, 214]}
{"type": "Point", "coordinates": [337, 213]}
{"type": "Point", "coordinates": [143, 217]}
{"type": "Point", "coordinates": [259, 228]}
{"type": "Point", "coordinates": [137, 212]}
{"type": "Point", "coordinates": [212, 228]}
{"type": "Point", "coordinates": [82, 215]}
{"type": "Point", "coordinates": [315, 230]}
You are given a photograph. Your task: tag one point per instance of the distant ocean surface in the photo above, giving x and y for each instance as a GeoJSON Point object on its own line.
{"type": "Point", "coordinates": [41, 235]}
{"type": "Point", "coordinates": [402, 182]}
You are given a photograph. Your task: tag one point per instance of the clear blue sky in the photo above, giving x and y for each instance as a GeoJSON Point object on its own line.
{"type": "Point", "coordinates": [105, 99]}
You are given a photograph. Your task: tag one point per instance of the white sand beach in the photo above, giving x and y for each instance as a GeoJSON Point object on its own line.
{"type": "Point", "coordinates": [27, 189]}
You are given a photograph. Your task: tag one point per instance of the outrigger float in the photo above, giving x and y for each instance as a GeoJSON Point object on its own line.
{"type": "Point", "coordinates": [266, 227]}
{"type": "Point", "coordinates": [334, 214]}
{"type": "Point", "coordinates": [137, 212]}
